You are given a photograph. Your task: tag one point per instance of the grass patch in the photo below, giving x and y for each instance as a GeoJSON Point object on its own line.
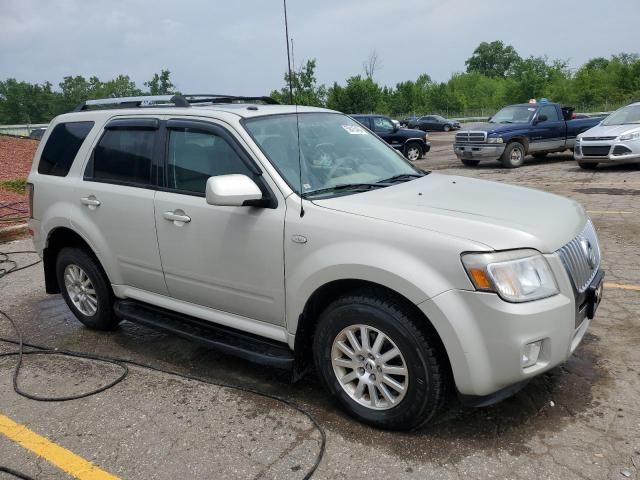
{"type": "Point", "coordinates": [18, 185]}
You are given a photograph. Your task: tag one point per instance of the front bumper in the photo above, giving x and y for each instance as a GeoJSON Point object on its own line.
{"type": "Point", "coordinates": [632, 156]}
{"type": "Point", "coordinates": [485, 336]}
{"type": "Point", "coordinates": [478, 151]}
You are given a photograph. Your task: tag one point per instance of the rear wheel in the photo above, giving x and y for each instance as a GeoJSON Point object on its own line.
{"type": "Point", "coordinates": [588, 165]}
{"type": "Point", "coordinates": [413, 151]}
{"type": "Point", "coordinates": [85, 288]}
{"type": "Point", "coordinates": [470, 163]}
{"type": "Point", "coordinates": [383, 369]}
{"type": "Point", "coordinates": [513, 155]}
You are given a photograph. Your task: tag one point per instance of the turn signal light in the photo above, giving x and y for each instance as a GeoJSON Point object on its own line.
{"type": "Point", "coordinates": [480, 279]}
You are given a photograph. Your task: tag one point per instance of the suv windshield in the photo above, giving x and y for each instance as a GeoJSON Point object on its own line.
{"type": "Point", "coordinates": [514, 114]}
{"type": "Point", "coordinates": [337, 154]}
{"type": "Point", "coordinates": [628, 115]}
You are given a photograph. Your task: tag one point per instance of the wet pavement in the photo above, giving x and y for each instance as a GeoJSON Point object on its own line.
{"type": "Point", "coordinates": [580, 420]}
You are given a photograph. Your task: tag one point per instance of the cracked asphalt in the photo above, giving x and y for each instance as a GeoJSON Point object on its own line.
{"type": "Point", "coordinates": [578, 421]}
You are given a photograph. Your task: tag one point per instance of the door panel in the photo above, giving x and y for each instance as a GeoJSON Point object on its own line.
{"type": "Point", "coordinates": [548, 135]}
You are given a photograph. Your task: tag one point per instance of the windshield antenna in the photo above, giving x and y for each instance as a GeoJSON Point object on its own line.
{"type": "Point", "coordinates": [293, 100]}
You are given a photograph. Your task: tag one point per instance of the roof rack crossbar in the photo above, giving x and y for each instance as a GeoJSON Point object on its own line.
{"type": "Point", "coordinates": [168, 100]}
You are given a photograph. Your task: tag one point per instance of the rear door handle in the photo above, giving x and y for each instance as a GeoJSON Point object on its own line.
{"type": "Point", "coordinates": [91, 201]}
{"type": "Point", "coordinates": [177, 216]}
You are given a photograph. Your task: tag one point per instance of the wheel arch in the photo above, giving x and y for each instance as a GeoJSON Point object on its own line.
{"type": "Point", "coordinates": [57, 239]}
{"type": "Point", "coordinates": [522, 140]}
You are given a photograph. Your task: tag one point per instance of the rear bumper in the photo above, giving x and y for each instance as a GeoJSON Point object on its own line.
{"type": "Point", "coordinates": [478, 151]}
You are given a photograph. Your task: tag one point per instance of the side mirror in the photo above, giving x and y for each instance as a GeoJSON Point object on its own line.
{"type": "Point", "coordinates": [395, 128]}
{"type": "Point", "coordinates": [232, 191]}
{"type": "Point", "coordinates": [541, 118]}
{"type": "Point", "coordinates": [489, 119]}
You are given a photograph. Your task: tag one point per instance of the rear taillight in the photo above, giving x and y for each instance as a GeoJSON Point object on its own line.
{"type": "Point", "coordinates": [30, 194]}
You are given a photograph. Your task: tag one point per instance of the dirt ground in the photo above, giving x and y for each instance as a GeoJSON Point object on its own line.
{"type": "Point", "coordinates": [579, 421]}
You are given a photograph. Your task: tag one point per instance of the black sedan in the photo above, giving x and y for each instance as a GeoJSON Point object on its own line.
{"type": "Point", "coordinates": [433, 122]}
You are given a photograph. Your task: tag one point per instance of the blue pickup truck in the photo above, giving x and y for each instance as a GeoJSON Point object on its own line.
{"type": "Point", "coordinates": [519, 130]}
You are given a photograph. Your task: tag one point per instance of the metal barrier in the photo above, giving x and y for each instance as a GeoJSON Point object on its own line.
{"type": "Point", "coordinates": [21, 130]}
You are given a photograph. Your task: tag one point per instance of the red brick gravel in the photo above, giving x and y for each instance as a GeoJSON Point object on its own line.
{"type": "Point", "coordinates": [16, 155]}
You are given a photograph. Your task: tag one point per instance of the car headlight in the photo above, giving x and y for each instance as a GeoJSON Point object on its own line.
{"type": "Point", "coordinates": [494, 140]}
{"type": "Point", "coordinates": [516, 275]}
{"type": "Point", "coordinates": [630, 136]}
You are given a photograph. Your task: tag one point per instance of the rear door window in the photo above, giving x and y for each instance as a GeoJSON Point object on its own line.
{"type": "Point", "coordinates": [62, 147]}
{"type": "Point", "coordinates": [124, 155]}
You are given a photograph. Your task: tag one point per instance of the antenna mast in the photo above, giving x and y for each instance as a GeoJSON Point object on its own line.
{"type": "Point", "coordinates": [286, 32]}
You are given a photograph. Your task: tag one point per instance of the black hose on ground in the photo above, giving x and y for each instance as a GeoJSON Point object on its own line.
{"type": "Point", "coordinates": [119, 362]}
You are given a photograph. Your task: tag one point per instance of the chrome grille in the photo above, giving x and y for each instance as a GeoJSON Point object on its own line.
{"type": "Point", "coordinates": [581, 257]}
{"type": "Point", "coordinates": [598, 139]}
{"type": "Point", "coordinates": [471, 137]}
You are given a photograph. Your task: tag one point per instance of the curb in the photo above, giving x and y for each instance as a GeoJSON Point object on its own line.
{"type": "Point", "coordinates": [14, 232]}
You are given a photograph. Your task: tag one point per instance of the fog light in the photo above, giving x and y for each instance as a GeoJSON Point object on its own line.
{"type": "Point", "coordinates": [530, 354]}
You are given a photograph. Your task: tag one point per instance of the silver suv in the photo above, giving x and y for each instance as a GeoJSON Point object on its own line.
{"type": "Point", "coordinates": [296, 238]}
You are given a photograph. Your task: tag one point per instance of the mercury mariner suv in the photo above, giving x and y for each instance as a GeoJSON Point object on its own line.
{"type": "Point", "coordinates": [296, 238]}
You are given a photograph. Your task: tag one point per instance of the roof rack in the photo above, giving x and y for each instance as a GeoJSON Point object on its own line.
{"type": "Point", "coordinates": [168, 101]}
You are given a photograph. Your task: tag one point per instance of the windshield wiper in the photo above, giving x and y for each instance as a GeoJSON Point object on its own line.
{"type": "Point", "coordinates": [345, 186]}
{"type": "Point", "coordinates": [403, 176]}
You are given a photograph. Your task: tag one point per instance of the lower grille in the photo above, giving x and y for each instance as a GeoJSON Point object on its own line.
{"type": "Point", "coordinates": [595, 151]}
{"type": "Point", "coordinates": [581, 257]}
{"type": "Point", "coordinates": [621, 150]}
{"type": "Point", "coordinates": [471, 137]}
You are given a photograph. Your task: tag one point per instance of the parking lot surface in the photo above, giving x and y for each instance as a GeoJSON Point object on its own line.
{"type": "Point", "coordinates": [579, 421]}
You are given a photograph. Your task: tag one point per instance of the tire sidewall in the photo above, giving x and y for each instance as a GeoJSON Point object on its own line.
{"type": "Point", "coordinates": [401, 416]}
{"type": "Point", "coordinates": [103, 319]}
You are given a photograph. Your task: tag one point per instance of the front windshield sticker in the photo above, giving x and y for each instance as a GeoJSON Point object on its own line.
{"type": "Point", "coordinates": [531, 109]}
{"type": "Point", "coordinates": [354, 129]}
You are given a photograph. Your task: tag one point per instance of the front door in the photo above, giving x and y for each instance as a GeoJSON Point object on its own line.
{"type": "Point", "coordinates": [550, 134]}
{"type": "Point", "coordinates": [225, 258]}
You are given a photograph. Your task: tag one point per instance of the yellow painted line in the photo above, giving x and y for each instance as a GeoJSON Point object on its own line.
{"type": "Point", "coordinates": [62, 458]}
{"type": "Point", "coordinates": [635, 288]}
{"type": "Point", "coordinates": [606, 212]}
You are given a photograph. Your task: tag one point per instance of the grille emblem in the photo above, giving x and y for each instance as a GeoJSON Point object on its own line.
{"type": "Point", "coordinates": [589, 252]}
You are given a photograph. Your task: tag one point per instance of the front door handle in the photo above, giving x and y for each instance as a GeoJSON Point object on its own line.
{"type": "Point", "coordinates": [91, 201]}
{"type": "Point", "coordinates": [177, 216]}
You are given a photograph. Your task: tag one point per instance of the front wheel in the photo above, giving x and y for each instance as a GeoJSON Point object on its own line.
{"type": "Point", "coordinates": [446, 128]}
{"type": "Point", "coordinates": [86, 289]}
{"type": "Point", "coordinates": [413, 152]}
{"type": "Point", "coordinates": [383, 369]}
{"type": "Point", "coordinates": [513, 155]}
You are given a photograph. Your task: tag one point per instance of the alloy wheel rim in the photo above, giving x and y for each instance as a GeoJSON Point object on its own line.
{"type": "Point", "coordinates": [413, 153]}
{"type": "Point", "coordinates": [80, 290]}
{"type": "Point", "coordinates": [369, 367]}
{"type": "Point", "coordinates": [516, 155]}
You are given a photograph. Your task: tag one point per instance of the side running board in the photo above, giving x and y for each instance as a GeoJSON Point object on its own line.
{"type": "Point", "coordinates": [228, 340]}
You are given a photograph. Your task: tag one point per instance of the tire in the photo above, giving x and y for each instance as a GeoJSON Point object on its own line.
{"type": "Point", "coordinates": [421, 356]}
{"type": "Point", "coordinates": [513, 155]}
{"type": "Point", "coordinates": [470, 163]}
{"type": "Point", "coordinates": [413, 151]}
{"type": "Point", "coordinates": [446, 128]}
{"type": "Point", "coordinates": [588, 165]}
{"type": "Point", "coordinates": [75, 268]}
{"type": "Point", "coordinates": [540, 155]}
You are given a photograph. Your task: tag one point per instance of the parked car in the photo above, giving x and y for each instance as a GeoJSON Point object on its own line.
{"type": "Point", "coordinates": [412, 143]}
{"type": "Point", "coordinates": [434, 122]}
{"type": "Point", "coordinates": [615, 140]}
{"type": "Point", "coordinates": [519, 130]}
{"type": "Point", "coordinates": [293, 236]}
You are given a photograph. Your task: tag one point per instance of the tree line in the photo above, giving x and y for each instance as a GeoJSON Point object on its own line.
{"type": "Point", "coordinates": [495, 75]}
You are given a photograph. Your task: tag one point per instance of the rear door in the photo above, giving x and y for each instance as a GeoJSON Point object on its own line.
{"type": "Point", "coordinates": [114, 201]}
{"type": "Point", "coordinates": [225, 258]}
{"type": "Point", "coordinates": [550, 134]}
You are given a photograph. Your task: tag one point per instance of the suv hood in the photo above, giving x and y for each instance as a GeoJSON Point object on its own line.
{"type": "Point", "coordinates": [497, 215]}
{"type": "Point", "coordinates": [610, 131]}
{"type": "Point", "coordinates": [410, 133]}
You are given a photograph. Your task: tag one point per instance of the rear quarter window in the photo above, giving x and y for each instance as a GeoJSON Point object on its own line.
{"type": "Point", "coordinates": [62, 147]}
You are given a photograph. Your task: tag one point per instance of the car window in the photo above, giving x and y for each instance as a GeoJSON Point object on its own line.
{"type": "Point", "coordinates": [363, 120]}
{"type": "Point", "coordinates": [123, 156]}
{"type": "Point", "coordinates": [550, 112]}
{"type": "Point", "coordinates": [195, 156]}
{"type": "Point", "coordinates": [382, 125]}
{"type": "Point", "coordinates": [425, 118]}
{"type": "Point", "coordinates": [62, 147]}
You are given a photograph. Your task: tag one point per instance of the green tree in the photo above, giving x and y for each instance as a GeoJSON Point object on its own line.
{"type": "Point", "coordinates": [360, 95]}
{"type": "Point", "coordinates": [493, 59]}
{"type": "Point", "coordinates": [306, 90]}
{"type": "Point", "coordinates": [22, 102]}
{"type": "Point", "coordinates": [161, 84]}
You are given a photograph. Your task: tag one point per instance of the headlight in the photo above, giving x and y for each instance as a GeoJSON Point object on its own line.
{"type": "Point", "coordinates": [494, 140]}
{"type": "Point", "coordinates": [630, 136]}
{"type": "Point", "coordinates": [516, 275]}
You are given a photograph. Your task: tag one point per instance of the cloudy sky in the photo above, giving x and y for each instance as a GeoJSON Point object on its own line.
{"type": "Point", "coordinates": [238, 47]}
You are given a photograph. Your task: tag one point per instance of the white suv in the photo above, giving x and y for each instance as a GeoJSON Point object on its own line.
{"type": "Point", "coordinates": [295, 237]}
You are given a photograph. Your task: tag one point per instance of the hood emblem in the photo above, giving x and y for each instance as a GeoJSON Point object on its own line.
{"type": "Point", "coordinates": [589, 252]}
